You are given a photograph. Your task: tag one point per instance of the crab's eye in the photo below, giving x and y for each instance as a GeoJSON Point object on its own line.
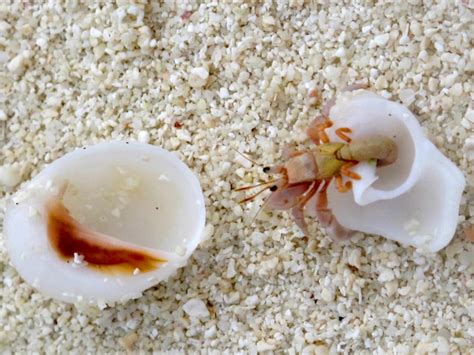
{"type": "Point", "coordinates": [266, 169]}
{"type": "Point", "coordinates": [273, 188]}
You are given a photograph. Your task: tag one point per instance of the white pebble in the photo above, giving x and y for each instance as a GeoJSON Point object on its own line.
{"type": "Point", "coordinates": [268, 21]}
{"type": "Point", "coordinates": [468, 116]}
{"type": "Point", "coordinates": [42, 42]}
{"type": "Point", "coordinates": [443, 345]}
{"type": "Point", "coordinates": [386, 275]}
{"type": "Point", "coordinates": [211, 332]}
{"type": "Point", "coordinates": [239, 159]}
{"type": "Point", "coordinates": [340, 52]}
{"type": "Point", "coordinates": [391, 287]}
{"type": "Point", "coordinates": [208, 231]}
{"type": "Point", "coordinates": [456, 89]}
{"type": "Point", "coordinates": [95, 33]}
{"type": "Point", "coordinates": [200, 72]}
{"type": "Point", "coordinates": [407, 96]}
{"type": "Point", "coordinates": [17, 64]}
{"type": "Point", "coordinates": [381, 40]}
{"type": "Point", "coordinates": [404, 290]}
{"type": "Point", "coordinates": [332, 73]}
{"type": "Point", "coordinates": [143, 137]}
{"type": "Point", "coordinates": [415, 28]}
{"type": "Point", "coordinates": [354, 258]}
{"type": "Point", "coordinates": [4, 27]}
{"type": "Point", "coordinates": [327, 295]}
{"type": "Point", "coordinates": [10, 176]}
{"type": "Point", "coordinates": [263, 346]}
{"type": "Point", "coordinates": [230, 269]}
{"type": "Point", "coordinates": [183, 135]}
{"type": "Point", "coordinates": [405, 63]}
{"type": "Point", "coordinates": [448, 80]}
{"type": "Point", "coordinates": [315, 350]}
{"type": "Point", "coordinates": [196, 308]}
{"type": "Point", "coordinates": [252, 300]}
{"type": "Point", "coordinates": [198, 77]}
{"type": "Point", "coordinates": [433, 84]}
{"type": "Point", "coordinates": [223, 93]}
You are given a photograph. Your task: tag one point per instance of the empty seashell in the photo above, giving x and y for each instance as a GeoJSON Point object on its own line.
{"type": "Point", "coordinates": [102, 224]}
{"type": "Point", "coordinates": [416, 199]}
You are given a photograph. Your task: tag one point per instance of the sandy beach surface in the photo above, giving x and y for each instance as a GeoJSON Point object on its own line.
{"type": "Point", "coordinates": [206, 80]}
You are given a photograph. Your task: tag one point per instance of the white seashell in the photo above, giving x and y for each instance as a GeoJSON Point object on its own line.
{"type": "Point", "coordinates": [111, 191]}
{"type": "Point", "coordinates": [415, 200]}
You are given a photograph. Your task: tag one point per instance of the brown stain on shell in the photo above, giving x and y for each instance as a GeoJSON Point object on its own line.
{"type": "Point", "coordinates": [101, 252]}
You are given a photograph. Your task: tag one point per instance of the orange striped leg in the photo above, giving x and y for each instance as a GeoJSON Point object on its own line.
{"type": "Point", "coordinates": [316, 129]}
{"type": "Point", "coordinates": [340, 186]}
{"type": "Point", "coordinates": [322, 134]}
{"type": "Point", "coordinates": [341, 133]}
{"type": "Point", "coordinates": [345, 170]}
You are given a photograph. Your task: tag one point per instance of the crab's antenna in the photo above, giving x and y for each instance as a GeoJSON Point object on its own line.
{"type": "Point", "coordinates": [260, 208]}
{"type": "Point", "coordinates": [243, 188]}
{"type": "Point", "coordinates": [244, 156]}
{"type": "Point", "coordinates": [250, 198]}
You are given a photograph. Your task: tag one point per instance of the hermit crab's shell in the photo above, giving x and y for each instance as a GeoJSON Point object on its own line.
{"type": "Point", "coordinates": [416, 199]}
{"type": "Point", "coordinates": [130, 196]}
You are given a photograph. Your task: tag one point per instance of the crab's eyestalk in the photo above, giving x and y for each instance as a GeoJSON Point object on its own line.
{"type": "Point", "coordinates": [381, 148]}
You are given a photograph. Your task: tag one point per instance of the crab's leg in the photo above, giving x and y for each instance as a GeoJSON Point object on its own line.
{"type": "Point", "coordinates": [326, 217]}
{"type": "Point", "coordinates": [327, 107]}
{"type": "Point", "coordinates": [315, 131]}
{"type": "Point", "coordinates": [345, 170]}
{"type": "Point", "coordinates": [298, 211]}
{"type": "Point", "coordinates": [341, 133]}
{"type": "Point", "coordinates": [285, 197]}
{"type": "Point", "coordinates": [340, 186]}
{"type": "Point", "coordinates": [322, 133]}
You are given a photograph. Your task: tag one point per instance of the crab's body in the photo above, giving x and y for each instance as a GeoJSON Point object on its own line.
{"type": "Point", "coordinates": [328, 159]}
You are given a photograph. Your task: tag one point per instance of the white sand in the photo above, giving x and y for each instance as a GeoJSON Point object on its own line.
{"type": "Point", "coordinates": [237, 76]}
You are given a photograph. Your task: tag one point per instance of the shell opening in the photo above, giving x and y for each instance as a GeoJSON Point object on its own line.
{"type": "Point", "coordinates": [369, 115]}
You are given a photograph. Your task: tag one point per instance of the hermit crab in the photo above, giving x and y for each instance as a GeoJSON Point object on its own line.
{"type": "Point", "coordinates": [306, 175]}
{"type": "Point", "coordinates": [398, 184]}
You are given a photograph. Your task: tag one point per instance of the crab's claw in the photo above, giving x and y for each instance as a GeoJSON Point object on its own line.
{"type": "Point", "coordinates": [317, 207]}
